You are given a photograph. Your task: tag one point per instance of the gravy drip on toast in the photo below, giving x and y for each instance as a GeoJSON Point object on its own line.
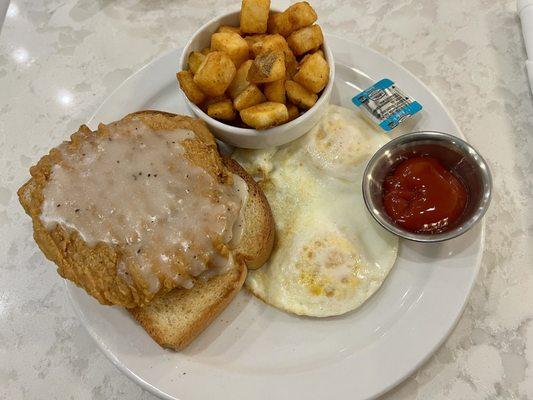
{"type": "Point", "coordinates": [134, 188]}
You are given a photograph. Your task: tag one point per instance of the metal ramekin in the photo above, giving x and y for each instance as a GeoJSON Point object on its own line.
{"type": "Point", "coordinates": [455, 154]}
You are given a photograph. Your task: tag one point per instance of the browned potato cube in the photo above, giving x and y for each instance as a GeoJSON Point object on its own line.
{"type": "Point", "coordinates": [269, 43]}
{"type": "Point", "coordinates": [301, 15]}
{"type": "Point", "coordinates": [305, 39]}
{"type": "Point", "coordinates": [213, 100]}
{"type": "Point", "coordinates": [195, 60]}
{"type": "Point", "coordinates": [254, 16]}
{"type": "Point", "coordinates": [304, 58]}
{"type": "Point", "coordinates": [267, 67]}
{"type": "Point", "coordinates": [232, 44]}
{"type": "Point", "coordinates": [215, 74]}
{"type": "Point", "coordinates": [280, 23]}
{"type": "Point", "coordinates": [265, 115]}
{"type": "Point", "coordinates": [222, 110]}
{"type": "Point", "coordinates": [291, 64]}
{"type": "Point", "coordinates": [275, 91]}
{"type": "Point", "coordinates": [240, 82]}
{"type": "Point", "coordinates": [276, 42]}
{"type": "Point", "coordinates": [293, 111]}
{"type": "Point", "coordinates": [228, 28]}
{"type": "Point", "coordinates": [299, 95]}
{"type": "Point", "coordinates": [249, 97]}
{"type": "Point", "coordinates": [313, 73]}
{"type": "Point", "coordinates": [251, 40]}
{"type": "Point", "coordinates": [295, 17]}
{"type": "Point", "coordinates": [191, 90]}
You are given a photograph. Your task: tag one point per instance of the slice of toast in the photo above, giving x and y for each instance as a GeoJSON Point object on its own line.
{"type": "Point", "coordinates": [175, 319]}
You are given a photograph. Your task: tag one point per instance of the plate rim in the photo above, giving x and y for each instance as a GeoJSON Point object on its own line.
{"type": "Point", "coordinates": [475, 268]}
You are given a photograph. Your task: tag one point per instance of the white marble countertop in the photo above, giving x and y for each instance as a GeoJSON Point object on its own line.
{"type": "Point", "coordinates": [60, 59]}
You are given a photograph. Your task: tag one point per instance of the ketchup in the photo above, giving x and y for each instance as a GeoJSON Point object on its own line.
{"type": "Point", "coordinates": [422, 196]}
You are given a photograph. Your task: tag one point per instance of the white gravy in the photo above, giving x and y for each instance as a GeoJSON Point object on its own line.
{"type": "Point", "coordinates": [135, 190]}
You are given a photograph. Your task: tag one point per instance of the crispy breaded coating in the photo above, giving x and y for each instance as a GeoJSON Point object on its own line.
{"type": "Point", "coordinates": [95, 268]}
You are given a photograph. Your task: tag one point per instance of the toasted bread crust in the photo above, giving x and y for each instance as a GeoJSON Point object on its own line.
{"type": "Point", "coordinates": [175, 319]}
{"type": "Point", "coordinates": [258, 234]}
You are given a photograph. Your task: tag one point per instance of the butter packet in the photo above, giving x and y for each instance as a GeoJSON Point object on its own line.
{"type": "Point", "coordinates": [386, 105]}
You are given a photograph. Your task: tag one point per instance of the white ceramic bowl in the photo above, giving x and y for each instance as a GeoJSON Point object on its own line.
{"type": "Point", "coordinates": [247, 137]}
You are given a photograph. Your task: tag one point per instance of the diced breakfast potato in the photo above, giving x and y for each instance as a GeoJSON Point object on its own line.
{"type": "Point", "coordinates": [291, 64]}
{"type": "Point", "coordinates": [195, 60]}
{"type": "Point", "coordinates": [228, 28]}
{"type": "Point", "coordinates": [267, 67]}
{"type": "Point", "coordinates": [293, 111]}
{"type": "Point", "coordinates": [191, 89]}
{"type": "Point", "coordinates": [254, 16]}
{"type": "Point", "coordinates": [295, 17]}
{"type": "Point", "coordinates": [222, 110]}
{"type": "Point", "coordinates": [251, 78]}
{"type": "Point", "coordinates": [313, 73]}
{"type": "Point", "coordinates": [305, 39]}
{"type": "Point", "coordinates": [240, 82]}
{"type": "Point", "coordinates": [276, 42]}
{"type": "Point", "coordinates": [275, 91]}
{"type": "Point", "coordinates": [279, 23]}
{"type": "Point", "coordinates": [265, 115]}
{"type": "Point", "coordinates": [251, 40]}
{"type": "Point", "coordinates": [232, 44]}
{"type": "Point", "coordinates": [213, 100]}
{"type": "Point", "coordinates": [301, 15]}
{"type": "Point", "coordinates": [304, 58]}
{"type": "Point", "coordinates": [249, 97]}
{"type": "Point", "coordinates": [299, 95]}
{"type": "Point", "coordinates": [269, 43]}
{"type": "Point", "coordinates": [215, 74]}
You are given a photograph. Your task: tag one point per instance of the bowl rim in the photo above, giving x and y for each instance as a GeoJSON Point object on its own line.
{"type": "Point", "coordinates": [251, 132]}
{"type": "Point", "coordinates": [436, 136]}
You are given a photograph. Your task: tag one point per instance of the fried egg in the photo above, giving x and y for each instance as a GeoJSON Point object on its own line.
{"type": "Point", "coordinates": [330, 256]}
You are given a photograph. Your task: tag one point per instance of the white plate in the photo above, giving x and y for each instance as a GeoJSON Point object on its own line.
{"type": "Point", "coordinates": [255, 351]}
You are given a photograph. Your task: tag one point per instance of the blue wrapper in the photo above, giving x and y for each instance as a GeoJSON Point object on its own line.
{"type": "Point", "coordinates": [386, 105]}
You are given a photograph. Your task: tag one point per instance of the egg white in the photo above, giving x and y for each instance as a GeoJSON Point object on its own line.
{"type": "Point", "coordinates": [329, 256]}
